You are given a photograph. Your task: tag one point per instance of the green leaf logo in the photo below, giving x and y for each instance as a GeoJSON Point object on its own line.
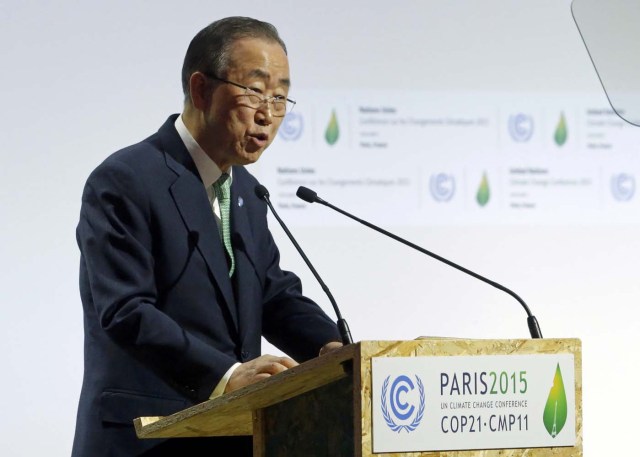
{"type": "Point", "coordinates": [333, 131]}
{"type": "Point", "coordinates": [560, 136]}
{"type": "Point", "coordinates": [482, 197]}
{"type": "Point", "coordinates": [555, 411]}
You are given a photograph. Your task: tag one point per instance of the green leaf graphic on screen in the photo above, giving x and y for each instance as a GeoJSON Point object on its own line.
{"type": "Point", "coordinates": [483, 194]}
{"type": "Point", "coordinates": [560, 136]}
{"type": "Point", "coordinates": [555, 411]}
{"type": "Point", "coordinates": [333, 131]}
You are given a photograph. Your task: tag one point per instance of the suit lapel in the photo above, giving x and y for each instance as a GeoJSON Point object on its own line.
{"type": "Point", "coordinates": [191, 200]}
{"type": "Point", "coordinates": [244, 252]}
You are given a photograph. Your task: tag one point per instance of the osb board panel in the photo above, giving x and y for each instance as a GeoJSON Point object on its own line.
{"type": "Point", "coordinates": [450, 346]}
{"type": "Point", "coordinates": [318, 423]}
{"type": "Point", "coordinates": [231, 414]}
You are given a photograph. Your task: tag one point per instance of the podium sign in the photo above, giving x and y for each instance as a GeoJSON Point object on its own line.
{"type": "Point", "coordinates": [473, 402]}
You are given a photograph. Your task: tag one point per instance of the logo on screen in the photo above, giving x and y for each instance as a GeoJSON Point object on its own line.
{"type": "Point", "coordinates": [521, 127]}
{"type": "Point", "coordinates": [484, 191]}
{"type": "Point", "coordinates": [292, 126]}
{"type": "Point", "coordinates": [332, 133]}
{"type": "Point", "coordinates": [561, 133]}
{"type": "Point", "coordinates": [402, 403]}
{"type": "Point", "coordinates": [442, 187]}
{"type": "Point", "coordinates": [623, 187]}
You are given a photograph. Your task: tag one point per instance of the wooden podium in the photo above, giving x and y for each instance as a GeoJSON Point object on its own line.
{"type": "Point", "coordinates": [324, 407]}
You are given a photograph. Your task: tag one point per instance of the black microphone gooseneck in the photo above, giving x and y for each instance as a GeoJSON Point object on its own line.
{"type": "Point", "coordinates": [263, 194]}
{"type": "Point", "coordinates": [310, 196]}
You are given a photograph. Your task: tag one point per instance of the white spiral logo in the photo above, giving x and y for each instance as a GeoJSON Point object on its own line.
{"type": "Point", "coordinates": [521, 127]}
{"type": "Point", "coordinates": [292, 126]}
{"type": "Point", "coordinates": [401, 408]}
{"type": "Point", "coordinates": [442, 187]}
{"type": "Point", "coordinates": [623, 187]}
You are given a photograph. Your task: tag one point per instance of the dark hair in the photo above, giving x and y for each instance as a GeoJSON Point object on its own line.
{"type": "Point", "coordinates": [209, 49]}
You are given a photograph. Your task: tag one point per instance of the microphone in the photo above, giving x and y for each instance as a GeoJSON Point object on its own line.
{"type": "Point", "coordinates": [263, 194]}
{"type": "Point", "coordinates": [193, 238]}
{"type": "Point", "coordinates": [310, 196]}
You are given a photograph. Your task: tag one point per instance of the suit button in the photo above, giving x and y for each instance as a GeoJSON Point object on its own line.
{"type": "Point", "coordinates": [244, 355]}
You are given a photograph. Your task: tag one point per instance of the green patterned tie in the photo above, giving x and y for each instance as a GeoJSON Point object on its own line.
{"type": "Point", "coordinates": [222, 188]}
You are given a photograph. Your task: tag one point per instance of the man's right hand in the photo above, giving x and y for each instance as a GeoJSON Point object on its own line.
{"type": "Point", "coordinates": [258, 369]}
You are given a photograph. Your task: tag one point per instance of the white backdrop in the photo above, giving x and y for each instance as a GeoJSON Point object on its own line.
{"type": "Point", "coordinates": [81, 79]}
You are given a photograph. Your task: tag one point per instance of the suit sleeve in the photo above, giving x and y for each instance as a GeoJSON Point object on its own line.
{"type": "Point", "coordinates": [114, 236]}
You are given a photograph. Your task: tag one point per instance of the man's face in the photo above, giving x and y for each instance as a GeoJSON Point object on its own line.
{"type": "Point", "coordinates": [234, 133]}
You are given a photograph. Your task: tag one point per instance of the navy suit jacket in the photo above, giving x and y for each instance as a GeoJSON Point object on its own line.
{"type": "Point", "coordinates": [163, 321]}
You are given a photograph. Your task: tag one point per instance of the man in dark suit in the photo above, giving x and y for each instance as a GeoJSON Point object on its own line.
{"type": "Point", "coordinates": [178, 279]}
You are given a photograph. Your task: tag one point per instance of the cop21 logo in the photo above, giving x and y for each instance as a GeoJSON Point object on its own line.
{"type": "Point", "coordinates": [402, 410]}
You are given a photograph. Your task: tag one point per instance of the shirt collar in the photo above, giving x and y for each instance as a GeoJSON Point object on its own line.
{"type": "Point", "coordinates": [207, 168]}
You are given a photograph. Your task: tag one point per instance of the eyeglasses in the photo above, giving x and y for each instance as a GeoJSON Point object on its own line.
{"type": "Point", "coordinates": [280, 105]}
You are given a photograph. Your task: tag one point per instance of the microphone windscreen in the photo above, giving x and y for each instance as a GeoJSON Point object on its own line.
{"type": "Point", "coordinates": [307, 194]}
{"type": "Point", "coordinates": [261, 191]}
{"type": "Point", "coordinates": [194, 237]}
